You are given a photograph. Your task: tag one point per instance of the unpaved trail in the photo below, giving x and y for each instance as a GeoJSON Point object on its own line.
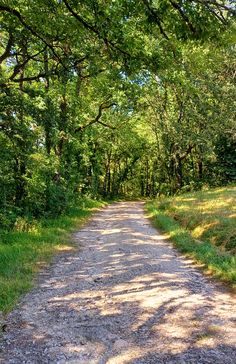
{"type": "Point", "coordinates": [126, 297]}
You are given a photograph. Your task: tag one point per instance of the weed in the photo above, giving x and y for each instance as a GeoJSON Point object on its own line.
{"type": "Point", "coordinates": [26, 249]}
{"type": "Point", "coordinates": [203, 226]}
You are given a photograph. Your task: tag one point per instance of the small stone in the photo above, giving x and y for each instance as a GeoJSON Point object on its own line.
{"type": "Point", "coordinates": [120, 344]}
{"type": "Point", "coordinates": [98, 279]}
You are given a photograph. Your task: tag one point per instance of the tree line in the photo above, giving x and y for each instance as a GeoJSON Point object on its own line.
{"type": "Point", "coordinates": [111, 98]}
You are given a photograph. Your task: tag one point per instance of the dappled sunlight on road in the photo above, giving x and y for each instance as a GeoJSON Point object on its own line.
{"type": "Point", "coordinates": [128, 297]}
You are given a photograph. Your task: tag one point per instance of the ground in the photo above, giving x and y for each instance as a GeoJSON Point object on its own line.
{"type": "Point", "coordinates": [124, 296]}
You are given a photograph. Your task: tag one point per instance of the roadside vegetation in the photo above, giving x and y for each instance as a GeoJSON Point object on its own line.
{"type": "Point", "coordinates": [111, 99]}
{"type": "Point", "coordinates": [202, 225]}
{"type": "Point", "coordinates": [27, 248]}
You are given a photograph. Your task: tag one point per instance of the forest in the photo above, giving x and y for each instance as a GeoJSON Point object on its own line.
{"type": "Point", "coordinates": [107, 99]}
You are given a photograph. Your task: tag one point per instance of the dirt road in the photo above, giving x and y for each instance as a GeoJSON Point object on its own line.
{"type": "Point", "coordinates": [126, 297]}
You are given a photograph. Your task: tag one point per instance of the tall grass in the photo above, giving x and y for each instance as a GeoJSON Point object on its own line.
{"type": "Point", "coordinates": [23, 253]}
{"type": "Point", "coordinates": [203, 226]}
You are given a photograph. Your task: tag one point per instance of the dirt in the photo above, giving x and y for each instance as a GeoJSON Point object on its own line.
{"type": "Point", "coordinates": [124, 296]}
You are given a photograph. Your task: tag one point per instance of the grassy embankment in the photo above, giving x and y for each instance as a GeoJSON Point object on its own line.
{"type": "Point", "coordinates": [23, 253]}
{"type": "Point", "coordinates": [203, 226]}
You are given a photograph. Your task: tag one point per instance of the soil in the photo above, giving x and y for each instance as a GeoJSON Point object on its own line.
{"type": "Point", "coordinates": [124, 296]}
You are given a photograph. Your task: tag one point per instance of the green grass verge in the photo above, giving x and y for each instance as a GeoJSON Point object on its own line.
{"type": "Point", "coordinates": [202, 225]}
{"type": "Point", "coordinates": [24, 253]}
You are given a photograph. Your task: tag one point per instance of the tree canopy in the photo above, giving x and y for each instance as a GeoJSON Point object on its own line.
{"type": "Point", "coordinates": [113, 97]}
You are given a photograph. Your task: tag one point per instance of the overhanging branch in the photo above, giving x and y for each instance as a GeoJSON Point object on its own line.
{"type": "Point", "coordinates": [7, 51]}
{"type": "Point", "coordinates": [18, 15]}
{"type": "Point", "coordinates": [93, 29]}
{"type": "Point", "coordinates": [155, 17]}
{"type": "Point", "coordinates": [102, 107]}
{"type": "Point", "coordinates": [183, 15]}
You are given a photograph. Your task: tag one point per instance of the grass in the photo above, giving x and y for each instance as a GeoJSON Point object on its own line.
{"type": "Point", "coordinates": [202, 225]}
{"type": "Point", "coordinates": [24, 253]}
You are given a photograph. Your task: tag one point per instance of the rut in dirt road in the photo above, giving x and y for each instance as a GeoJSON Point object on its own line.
{"type": "Point", "coordinates": [126, 297]}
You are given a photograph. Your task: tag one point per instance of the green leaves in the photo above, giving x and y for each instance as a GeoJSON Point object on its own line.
{"type": "Point", "coordinates": [104, 96]}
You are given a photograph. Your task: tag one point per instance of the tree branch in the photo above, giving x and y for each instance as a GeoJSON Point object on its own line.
{"type": "Point", "coordinates": [186, 153]}
{"type": "Point", "coordinates": [97, 118]}
{"type": "Point", "coordinates": [28, 27]}
{"type": "Point", "coordinates": [31, 78]}
{"type": "Point", "coordinates": [18, 67]}
{"type": "Point", "coordinates": [183, 15]}
{"type": "Point", "coordinates": [93, 29]}
{"type": "Point", "coordinates": [156, 17]}
{"type": "Point", "coordinates": [7, 51]}
{"type": "Point", "coordinates": [220, 17]}
{"type": "Point", "coordinates": [222, 6]}
{"type": "Point", "coordinates": [218, 5]}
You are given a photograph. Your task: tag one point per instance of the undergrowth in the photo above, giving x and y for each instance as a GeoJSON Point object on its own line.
{"type": "Point", "coordinates": [30, 246]}
{"type": "Point", "coordinates": [203, 226]}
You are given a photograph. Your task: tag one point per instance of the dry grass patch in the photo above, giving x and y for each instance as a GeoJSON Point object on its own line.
{"type": "Point", "coordinates": [203, 225]}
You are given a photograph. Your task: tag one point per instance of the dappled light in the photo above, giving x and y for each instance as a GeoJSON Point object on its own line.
{"type": "Point", "coordinates": [127, 297]}
{"type": "Point", "coordinates": [200, 230]}
{"type": "Point", "coordinates": [209, 216]}
{"type": "Point", "coordinates": [104, 102]}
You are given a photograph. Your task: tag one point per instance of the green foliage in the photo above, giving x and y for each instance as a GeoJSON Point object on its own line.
{"type": "Point", "coordinates": [113, 98]}
{"type": "Point", "coordinates": [30, 246]}
{"type": "Point", "coordinates": [226, 157]}
{"type": "Point", "coordinates": [202, 225]}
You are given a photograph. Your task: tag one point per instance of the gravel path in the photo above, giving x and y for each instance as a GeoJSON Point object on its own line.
{"type": "Point", "coordinates": [126, 297]}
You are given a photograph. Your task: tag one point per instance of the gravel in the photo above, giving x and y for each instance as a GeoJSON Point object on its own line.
{"type": "Point", "coordinates": [124, 296]}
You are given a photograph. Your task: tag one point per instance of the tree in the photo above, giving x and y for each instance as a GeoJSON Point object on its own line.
{"type": "Point", "coordinates": [109, 97]}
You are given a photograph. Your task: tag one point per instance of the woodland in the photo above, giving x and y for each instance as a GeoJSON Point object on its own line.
{"type": "Point", "coordinates": [114, 98]}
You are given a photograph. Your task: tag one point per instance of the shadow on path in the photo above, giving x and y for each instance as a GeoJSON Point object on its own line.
{"type": "Point", "coordinates": [126, 297]}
